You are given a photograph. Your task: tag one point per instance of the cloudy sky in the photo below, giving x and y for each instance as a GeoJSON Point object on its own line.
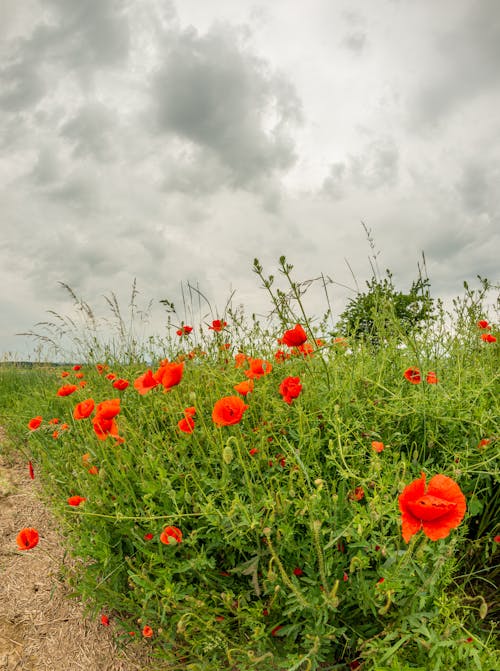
{"type": "Point", "coordinates": [173, 141]}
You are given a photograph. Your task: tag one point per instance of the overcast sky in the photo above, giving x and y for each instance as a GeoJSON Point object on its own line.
{"type": "Point", "coordinates": [176, 140]}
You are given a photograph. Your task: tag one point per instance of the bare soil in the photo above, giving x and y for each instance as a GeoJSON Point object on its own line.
{"type": "Point", "coordinates": [41, 628]}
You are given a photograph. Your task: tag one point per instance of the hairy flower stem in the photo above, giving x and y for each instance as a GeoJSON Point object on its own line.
{"type": "Point", "coordinates": [286, 269]}
{"type": "Point", "coordinates": [300, 597]}
{"type": "Point", "coordinates": [316, 526]}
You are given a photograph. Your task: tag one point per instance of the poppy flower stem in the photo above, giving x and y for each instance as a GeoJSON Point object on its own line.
{"type": "Point", "coordinates": [300, 597]}
{"type": "Point", "coordinates": [316, 526]}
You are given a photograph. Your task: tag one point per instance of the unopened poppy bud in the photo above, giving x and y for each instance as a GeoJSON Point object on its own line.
{"type": "Point", "coordinates": [384, 609]}
{"type": "Point", "coordinates": [356, 562]}
{"type": "Point", "coordinates": [483, 608]}
{"type": "Point", "coordinates": [227, 454]}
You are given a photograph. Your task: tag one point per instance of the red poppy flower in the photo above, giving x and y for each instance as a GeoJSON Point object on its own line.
{"type": "Point", "coordinates": [55, 434]}
{"type": "Point", "coordinates": [290, 388]}
{"type": "Point", "coordinates": [34, 423]}
{"type": "Point", "coordinates": [431, 377]}
{"type": "Point", "coordinates": [148, 537]}
{"type": "Point", "coordinates": [186, 425]}
{"type": "Point", "coordinates": [239, 359]}
{"type": "Point", "coordinates": [64, 427]}
{"type": "Point", "coordinates": [412, 375]}
{"type": "Point", "coordinates": [85, 458]}
{"type": "Point", "coordinates": [77, 367]}
{"type": "Point", "coordinates": [306, 349]}
{"type": "Point", "coordinates": [483, 442]}
{"type": "Point", "coordinates": [244, 388]}
{"type": "Point", "coordinates": [258, 368]}
{"type": "Point", "coordinates": [82, 384]}
{"type": "Point", "coordinates": [76, 500]}
{"type": "Point", "coordinates": [171, 534]}
{"type": "Point", "coordinates": [297, 571]}
{"type": "Point", "coordinates": [145, 382]}
{"type": "Point", "coordinates": [437, 510]}
{"type": "Point", "coordinates": [228, 410]}
{"type": "Point", "coordinates": [487, 337]}
{"type": "Point", "coordinates": [110, 376]}
{"type": "Point", "coordinates": [378, 446]}
{"type": "Point", "coordinates": [108, 409]}
{"type": "Point", "coordinates": [121, 384]}
{"type": "Point", "coordinates": [169, 374]}
{"type": "Point", "coordinates": [253, 451]}
{"type": "Point", "coordinates": [104, 427]}
{"type": "Point", "coordinates": [190, 412]}
{"type": "Point", "coordinates": [185, 330]}
{"type": "Point", "coordinates": [64, 373]}
{"type": "Point", "coordinates": [105, 620]}
{"type": "Point", "coordinates": [483, 324]}
{"type": "Point", "coordinates": [79, 375]}
{"type": "Point", "coordinates": [147, 632]}
{"type": "Point", "coordinates": [93, 470]}
{"type": "Point", "coordinates": [84, 409]}
{"type": "Point", "coordinates": [100, 368]}
{"type": "Point", "coordinates": [31, 470]}
{"type": "Point", "coordinates": [217, 325]}
{"type": "Point", "coordinates": [294, 337]}
{"type": "Point", "coordinates": [66, 389]}
{"type": "Point", "coordinates": [357, 494]}
{"type": "Point", "coordinates": [274, 631]}
{"type": "Point", "coordinates": [281, 356]}
{"type": "Point", "coordinates": [27, 538]}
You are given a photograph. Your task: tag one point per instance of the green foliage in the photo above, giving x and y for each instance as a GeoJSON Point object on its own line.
{"type": "Point", "coordinates": [383, 311]}
{"type": "Point", "coordinates": [291, 555]}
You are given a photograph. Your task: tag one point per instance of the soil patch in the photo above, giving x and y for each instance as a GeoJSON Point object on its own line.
{"type": "Point", "coordinates": [41, 628]}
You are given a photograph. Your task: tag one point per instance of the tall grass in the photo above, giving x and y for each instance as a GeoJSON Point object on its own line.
{"type": "Point", "coordinates": [291, 554]}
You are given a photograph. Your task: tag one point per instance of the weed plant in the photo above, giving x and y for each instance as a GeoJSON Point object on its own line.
{"type": "Point", "coordinates": [274, 541]}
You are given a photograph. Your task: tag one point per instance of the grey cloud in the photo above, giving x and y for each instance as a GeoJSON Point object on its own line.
{"type": "Point", "coordinates": [356, 41]}
{"type": "Point", "coordinates": [21, 85]}
{"type": "Point", "coordinates": [198, 172]}
{"type": "Point", "coordinates": [478, 187]}
{"type": "Point", "coordinates": [333, 184]}
{"type": "Point", "coordinates": [377, 166]}
{"type": "Point", "coordinates": [80, 37]}
{"type": "Point", "coordinates": [94, 32]}
{"type": "Point", "coordinates": [79, 191]}
{"type": "Point", "coordinates": [46, 169]}
{"type": "Point", "coordinates": [213, 93]}
{"type": "Point", "coordinates": [465, 64]}
{"type": "Point", "coordinates": [89, 129]}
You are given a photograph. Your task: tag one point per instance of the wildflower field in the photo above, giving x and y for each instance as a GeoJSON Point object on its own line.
{"type": "Point", "coordinates": [279, 496]}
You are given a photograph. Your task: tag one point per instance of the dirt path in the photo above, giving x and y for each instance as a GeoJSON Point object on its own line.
{"type": "Point", "coordinates": [40, 628]}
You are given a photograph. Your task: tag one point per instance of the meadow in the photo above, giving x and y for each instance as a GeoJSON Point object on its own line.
{"type": "Point", "coordinates": [282, 495]}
